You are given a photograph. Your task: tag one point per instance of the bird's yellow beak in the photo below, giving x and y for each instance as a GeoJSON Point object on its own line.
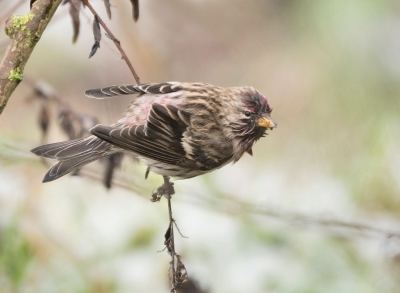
{"type": "Point", "coordinates": [266, 122]}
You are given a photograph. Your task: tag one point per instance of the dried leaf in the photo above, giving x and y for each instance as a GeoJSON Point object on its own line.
{"type": "Point", "coordinates": [96, 30]}
{"type": "Point", "coordinates": [113, 161]}
{"type": "Point", "coordinates": [68, 122]}
{"type": "Point", "coordinates": [147, 173]}
{"type": "Point", "coordinates": [44, 119]}
{"type": "Point", "coordinates": [97, 36]}
{"type": "Point", "coordinates": [168, 234]}
{"type": "Point", "coordinates": [108, 8]}
{"type": "Point", "coordinates": [180, 272]}
{"type": "Point", "coordinates": [74, 9]}
{"type": "Point", "coordinates": [45, 91]}
{"type": "Point", "coordinates": [135, 9]}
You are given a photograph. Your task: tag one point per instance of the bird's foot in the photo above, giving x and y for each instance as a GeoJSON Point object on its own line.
{"type": "Point", "coordinates": [167, 190]}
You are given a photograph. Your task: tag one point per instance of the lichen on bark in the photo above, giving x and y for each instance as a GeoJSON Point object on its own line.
{"type": "Point", "coordinates": [16, 75]}
{"type": "Point", "coordinates": [25, 31]}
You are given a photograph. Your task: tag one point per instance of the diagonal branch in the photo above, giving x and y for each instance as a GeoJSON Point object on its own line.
{"type": "Point", "coordinates": [115, 40]}
{"type": "Point", "coordinates": [24, 31]}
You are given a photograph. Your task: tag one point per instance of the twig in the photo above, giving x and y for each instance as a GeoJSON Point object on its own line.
{"type": "Point", "coordinates": [115, 40]}
{"type": "Point", "coordinates": [25, 31]}
{"type": "Point", "coordinates": [177, 271]}
{"type": "Point", "coordinates": [234, 206]}
{"type": "Point", "coordinates": [170, 242]}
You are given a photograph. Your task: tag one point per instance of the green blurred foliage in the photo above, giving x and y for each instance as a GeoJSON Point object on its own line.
{"type": "Point", "coordinates": [15, 257]}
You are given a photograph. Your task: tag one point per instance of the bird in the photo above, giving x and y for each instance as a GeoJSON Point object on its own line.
{"type": "Point", "coordinates": [178, 129]}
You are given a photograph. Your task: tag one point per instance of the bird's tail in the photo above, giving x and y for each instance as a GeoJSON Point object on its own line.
{"type": "Point", "coordinates": [72, 154]}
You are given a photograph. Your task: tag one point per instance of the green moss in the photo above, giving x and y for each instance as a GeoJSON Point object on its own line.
{"type": "Point", "coordinates": [30, 41]}
{"type": "Point", "coordinates": [20, 21]}
{"type": "Point", "coordinates": [16, 75]}
{"type": "Point", "coordinates": [35, 38]}
{"type": "Point", "coordinates": [10, 32]}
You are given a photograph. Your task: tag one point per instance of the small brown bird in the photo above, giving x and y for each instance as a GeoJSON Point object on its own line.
{"type": "Point", "coordinates": [177, 129]}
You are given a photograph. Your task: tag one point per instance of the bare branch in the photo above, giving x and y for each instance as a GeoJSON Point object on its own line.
{"type": "Point", "coordinates": [234, 206]}
{"type": "Point", "coordinates": [25, 31]}
{"type": "Point", "coordinates": [115, 40]}
{"type": "Point", "coordinates": [177, 271]}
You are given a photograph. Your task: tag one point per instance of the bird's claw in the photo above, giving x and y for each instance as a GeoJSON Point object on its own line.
{"type": "Point", "coordinates": [167, 190]}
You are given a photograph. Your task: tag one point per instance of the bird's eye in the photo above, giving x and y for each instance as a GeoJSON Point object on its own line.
{"type": "Point", "coordinates": [247, 113]}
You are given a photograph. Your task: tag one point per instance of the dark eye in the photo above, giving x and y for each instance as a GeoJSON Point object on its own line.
{"type": "Point", "coordinates": [247, 113]}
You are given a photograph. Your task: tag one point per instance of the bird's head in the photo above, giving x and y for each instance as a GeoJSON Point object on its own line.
{"type": "Point", "coordinates": [250, 120]}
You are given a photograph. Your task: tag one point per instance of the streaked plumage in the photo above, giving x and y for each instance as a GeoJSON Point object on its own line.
{"type": "Point", "coordinates": [178, 129]}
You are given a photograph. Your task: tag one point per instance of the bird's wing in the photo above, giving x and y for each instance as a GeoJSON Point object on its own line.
{"type": "Point", "coordinates": [159, 139]}
{"type": "Point", "coordinates": [149, 88]}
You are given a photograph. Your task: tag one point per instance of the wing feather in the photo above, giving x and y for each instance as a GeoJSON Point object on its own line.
{"type": "Point", "coordinates": [149, 88]}
{"type": "Point", "coordinates": [72, 148]}
{"type": "Point", "coordinates": [159, 139]}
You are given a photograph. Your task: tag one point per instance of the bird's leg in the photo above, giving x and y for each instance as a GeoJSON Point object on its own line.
{"type": "Point", "coordinates": [167, 190]}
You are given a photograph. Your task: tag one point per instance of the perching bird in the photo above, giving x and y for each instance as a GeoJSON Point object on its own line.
{"type": "Point", "coordinates": [177, 129]}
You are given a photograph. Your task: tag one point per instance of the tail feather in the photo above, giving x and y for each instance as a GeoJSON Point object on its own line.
{"type": "Point", "coordinates": [62, 168]}
{"type": "Point", "coordinates": [72, 155]}
{"type": "Point", "coordinates": [56, 150]}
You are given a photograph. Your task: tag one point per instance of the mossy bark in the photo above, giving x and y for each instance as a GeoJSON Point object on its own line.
{"type": "Point", "coordinates": [24, 31]}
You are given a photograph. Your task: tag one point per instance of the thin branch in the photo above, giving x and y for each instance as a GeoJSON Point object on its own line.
{"type": "Point", "coordinates": [234, 206]}
{"type": "Point", "coordinates": [170, 242]}
{"type": "Point", "coordinates": [177, 271]}
{"type": "Point", "coordinates": [115, 40]}
{"type": "Point", "coordinates": [25, 31]}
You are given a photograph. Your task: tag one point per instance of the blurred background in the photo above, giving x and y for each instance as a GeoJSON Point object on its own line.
{"type": "Point", "coordinates": [316, 209]}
